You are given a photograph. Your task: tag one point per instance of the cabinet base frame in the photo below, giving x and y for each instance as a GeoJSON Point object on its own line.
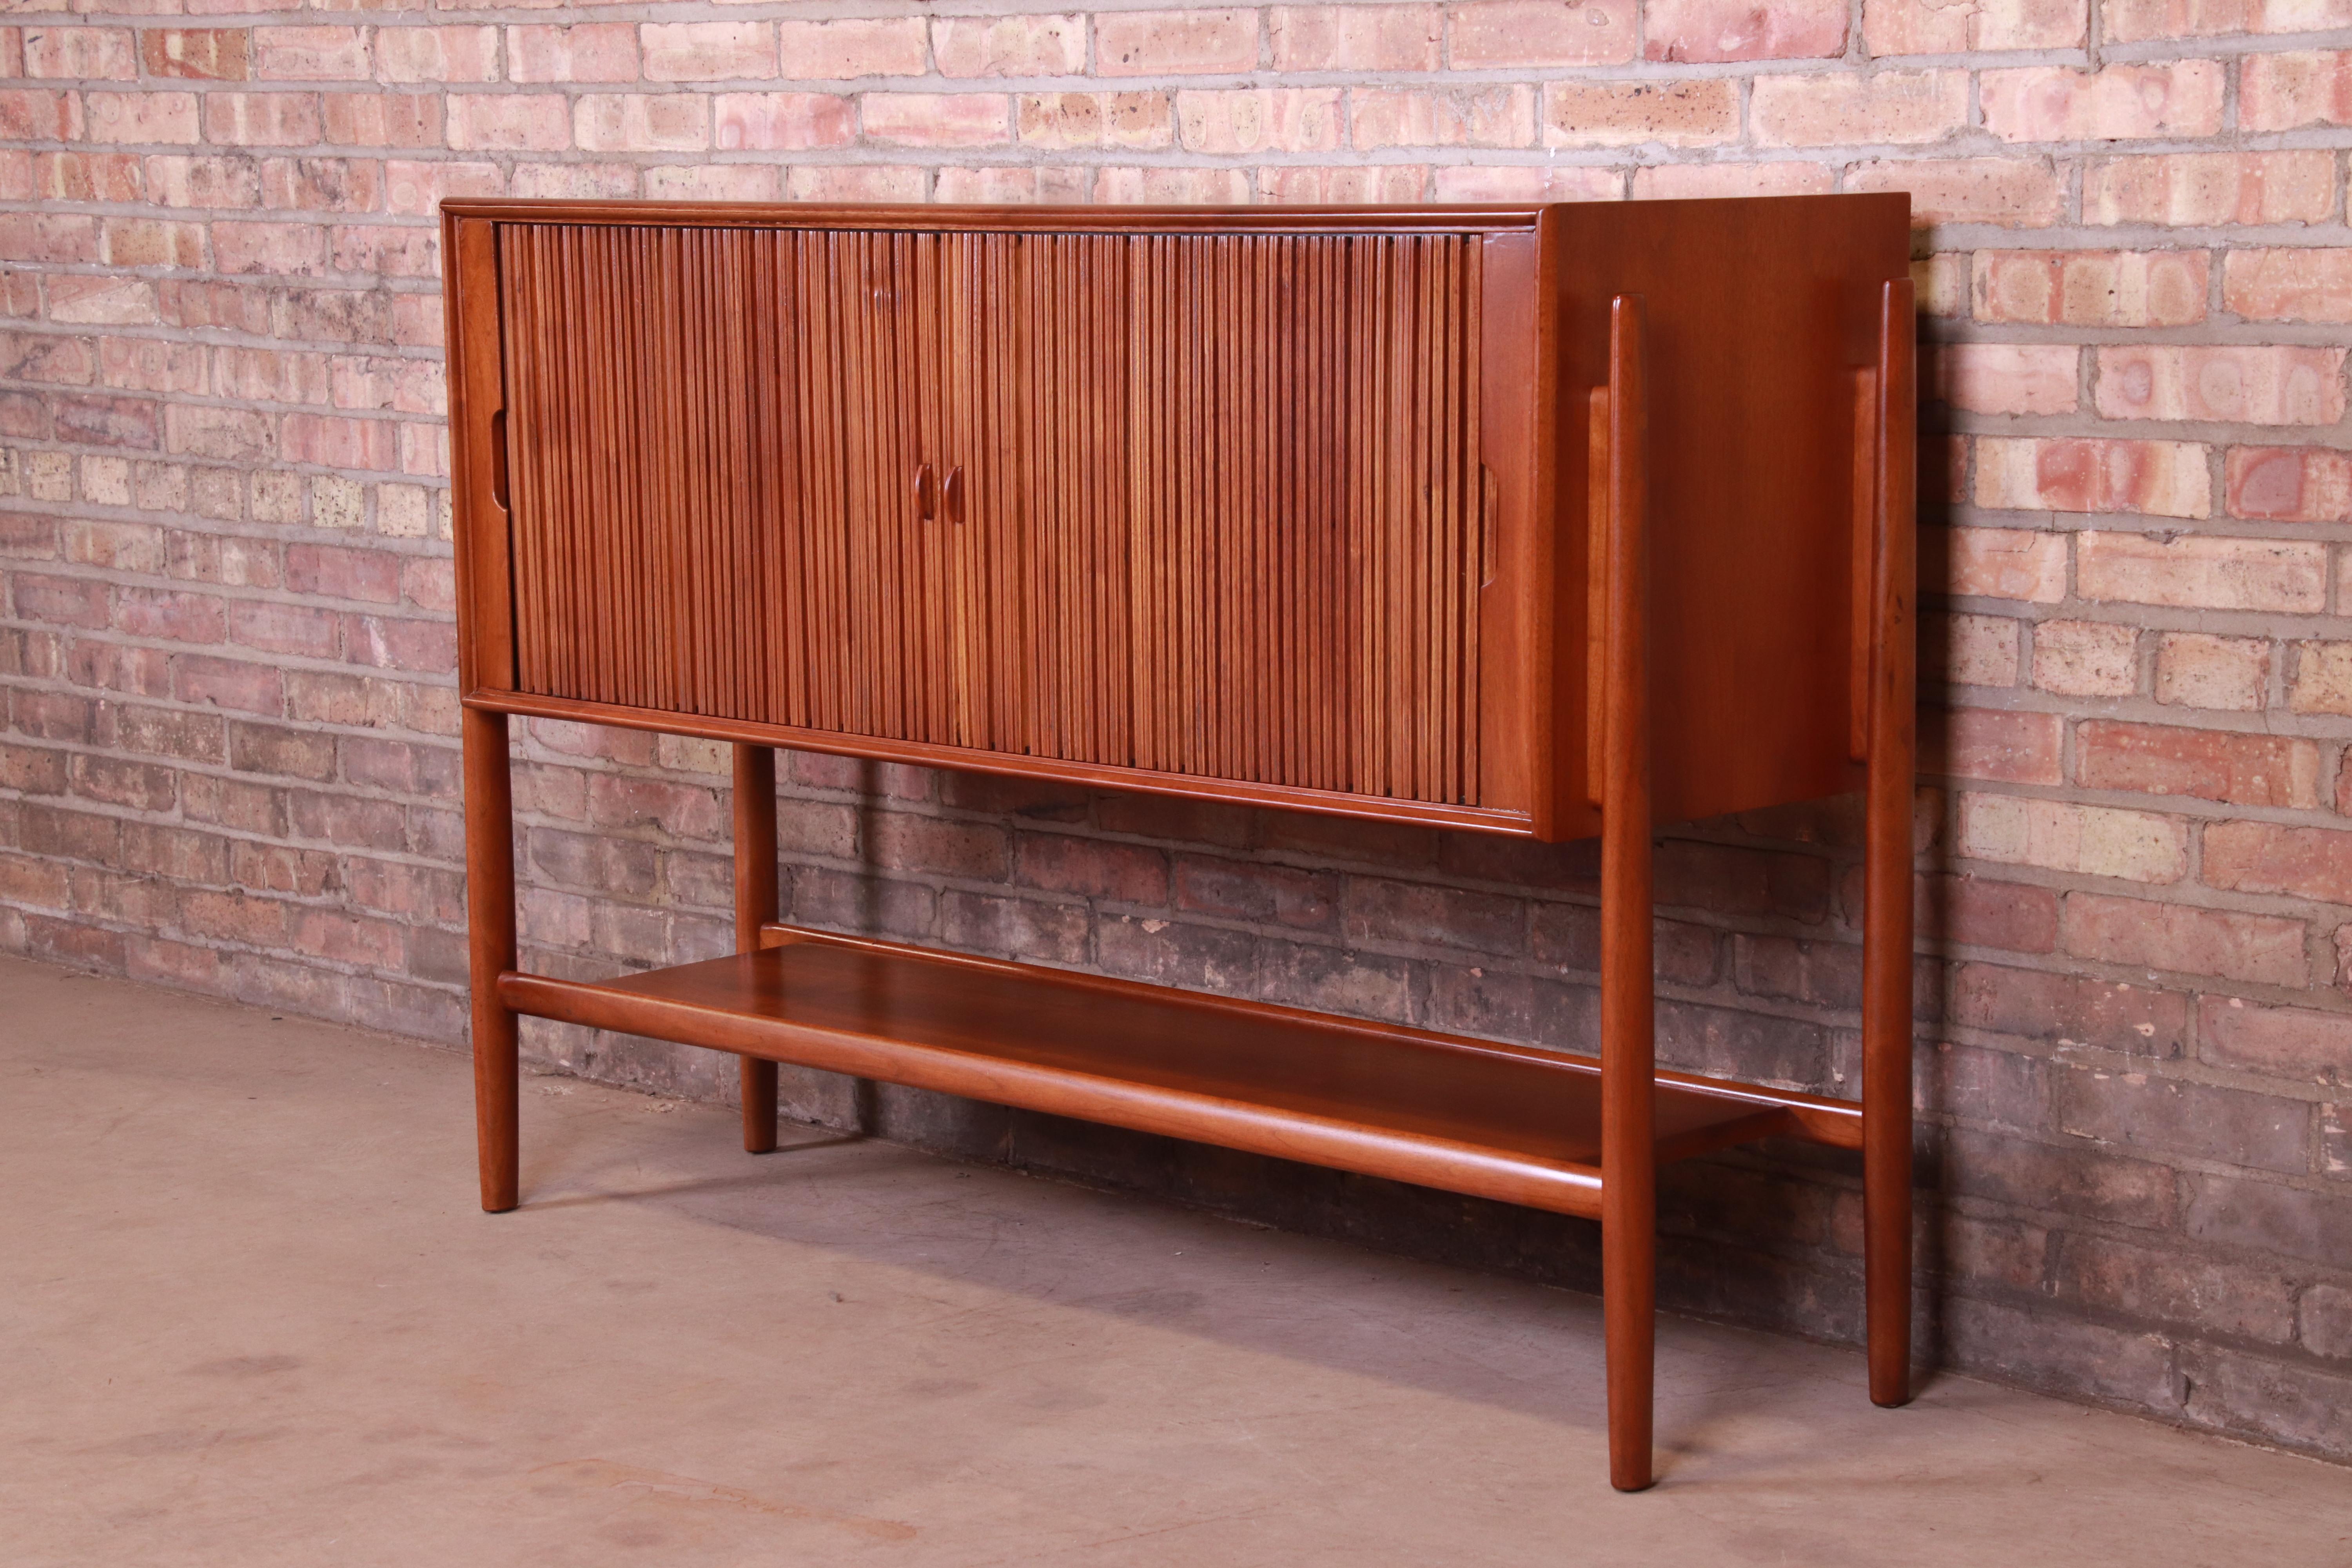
{"type": "Point", "coordinates": [1618, 1187]}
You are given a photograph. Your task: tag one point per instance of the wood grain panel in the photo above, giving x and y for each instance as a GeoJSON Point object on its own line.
{"type": "Point", "coordinates": [1208, 505]}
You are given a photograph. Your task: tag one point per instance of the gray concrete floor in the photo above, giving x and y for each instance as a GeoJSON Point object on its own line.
{"type": "Point", "coordinates": [250, 1314]}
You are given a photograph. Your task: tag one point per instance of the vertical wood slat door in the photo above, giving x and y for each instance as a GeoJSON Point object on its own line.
{"type": "Point", "coordinates": [1215, 510]}
{"type": "Point", "coordinates": [1305, 510]}
{"type": "Point", "coordinates": [690, 452]}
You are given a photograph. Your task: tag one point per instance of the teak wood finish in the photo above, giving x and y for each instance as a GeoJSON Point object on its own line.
{"type": "Point", "coordinates": [1550, 520]}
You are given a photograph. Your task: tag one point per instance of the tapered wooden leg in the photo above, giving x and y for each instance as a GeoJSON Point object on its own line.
{"type": "Point", "coordinates": [491, 950]}
{"type": "Point", "coordinates": [1887, 872]}
{"type": "Point", "coordinates": [755, 903]}
{"type": "Point", "coordinates": [1629, 1171]}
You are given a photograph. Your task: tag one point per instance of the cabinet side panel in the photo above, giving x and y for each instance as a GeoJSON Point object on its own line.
{"type": "Point", "coordinates": [1759, 312]}
{"type": "Point", "coordinates": [477, 457]}
{"type": "Point", "coordinates": [1516, 542]}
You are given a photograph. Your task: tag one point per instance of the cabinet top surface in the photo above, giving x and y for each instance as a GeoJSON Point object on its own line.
{"type": "Point", "coordinates": [1433, 216]}
{"type": "Point", "coordinates": [943, 216]}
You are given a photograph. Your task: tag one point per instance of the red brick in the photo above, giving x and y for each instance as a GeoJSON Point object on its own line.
{"type": "Point", "coordinates": [381, 119]}
{"type": "Point", "coordinates": [1425, 915]}
{"type": "Point", "coordinates": [1626, 114]}
{"type": "Point", "coordinates": [32, 115]}
{"type": "Point", "coordinates": [2267, 857]}
{"type": "Point", "coordinates": [264, 119]}
{"type": "Point", "coordinates": [1725, 878]}
{"type": "Point", "coordinates": [87, 177]}
{"type": "Point", "coordinates": [311, 54]}
{"type": "Point", "coordinates": [2209, 188]}
{"type": "Point", "coordinates": [2286, 1042]}
{"type": "Point", "coordinates": [2085, 659]}
{"type": "Point", "coordinates": [2164, 479]}
{"type": "Point", "coordinates": [56, 358]}
{"type": "Point", "coordinates": [2290, 484]}
{"type": "Point", "coordinates": [1926, 28]}
{"type": "Point", "coordinates": [1515, 34]}
{"type": "Point", "coordinates": [2204, 574]}
{"type": "Point", "coordinates": [2056, 103]}
{"type": "Point", "coordinates": [2006, 378]}
{"type": "Point", "coordinates": [2000, 744]}
{"type": "Point", "coordinates": [2232, 384]}
{"type": "Point", "coordinates": [1095, 868]}
{"type": "Point", "coordinates": [1175, 43]}
{"type": "Point", "coordinates": [1355, 37]}
{"type": "Point", "coordinates": [1979, 911]}
{"type": "Point", "coordinates": [271, 628]}
{"type": "Point", "coordinates": [1782, 177]}
{"type": "Point", "coordinates": [2207, 765]}
{"type": "Point", "coordinates": [2259, 949]}
{"type": "Point", "coordinates": [1245, 890]}
{"type": "Point", "coordinates": [1500, 116]}
{"type": "Point", "coordinates": [2291, 285]}
{"type": "Point", "coordinates": [1010, 46]}
{"type": "Point", "coordinates": [2323, 678]}
{"type": "Point", "coordinates": [203, 54]}
{"type": "Point", "coordinates": [2197, 669]}
{"type": "Point", "coordinates": [234, 684]}
{"type": "Point", "coordinates": [1135, 119]}
{"type": "Point", "coordinates": [1515, 183]}
{"type": "Point", "coordinates": [509, 123]}
{"type": "Point", "coordinates": [707, 51]}
{"type": "Point", "coordinates": [442, 54]}
{"type": "Point", "coordinates": [1895, 106]}
{"type": "Point", "coordinates": [80, 54]}
{"type": "Point", "coordinates": [848, 49]}
{"type": "Point", "coordinates": [1970, 650]}
{"type": "Point", "coordinates": [2247, 1301]}
{"type": "Point", "coordinates": [588, 51]}
{"type": "Point", "coordinates": [2083, 840]}
{"type": "Point", "coordinates": [2070, 1009]}
{"type": "Point", "coordinates": [633, 123]}
{"type": "Point", "coordinates": [1259, 119]}
{"type": "Point", "coordinates": [171, 616]}
{"type": "Point", "coordinates": [2290, 90]}
{"type": "Point", "coordinates": [2090, 289]}
{"type": "Point", "coordinates": [937, 120]}
{"type": "Point", "coordinates": [775, 121]}
{"type": "Point", "coordinates": [1710, 30]}
{"type": "Point", "coordinates": [1222, 186]}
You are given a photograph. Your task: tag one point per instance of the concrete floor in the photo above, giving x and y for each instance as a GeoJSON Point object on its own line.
{"type": "Point", "coordinates": [250, 1315]}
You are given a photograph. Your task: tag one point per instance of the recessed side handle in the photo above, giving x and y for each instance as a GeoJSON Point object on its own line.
{"type": "Point", "coordinates": [951, 495]}
{"type": "Point", "coordinates": [1865, 559]}
{"type": "Point", "coordinates": [498, 461]}
{"type": "Point", "coordinates": [1490, 507]}
{"type": "Point", "coordinates": [925, 493]}
{"type": "Point", "coordinates": [1596, 596]}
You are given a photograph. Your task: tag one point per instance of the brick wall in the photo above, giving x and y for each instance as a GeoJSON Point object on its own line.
{"type": "Point", "coordinates": [226, 650]}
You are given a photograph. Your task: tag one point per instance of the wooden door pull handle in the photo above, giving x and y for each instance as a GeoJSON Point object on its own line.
{"type": "Point", "coordinates": [951, 495]}
{"type": "Point", "coordinates": [498, 461]}
{"type": "Point", "coordinates": [926, 504]}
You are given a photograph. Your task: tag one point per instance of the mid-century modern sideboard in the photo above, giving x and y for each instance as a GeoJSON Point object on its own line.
{"type": "Point", "coordinates": [1546, 520]}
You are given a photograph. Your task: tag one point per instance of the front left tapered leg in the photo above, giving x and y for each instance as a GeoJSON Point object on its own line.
{"type": "Point", "coordinates": [490, 952]}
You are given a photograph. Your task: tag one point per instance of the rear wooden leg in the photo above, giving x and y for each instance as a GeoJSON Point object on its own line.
{"type": "Point", "coordinates": [1629, 1194]}
{"type": "Point", "coordinates": [755, 904]}
{"type": "Point", "coordinates": [490, 952]}
{"type": "Point", "coordinates": [1886, 868]}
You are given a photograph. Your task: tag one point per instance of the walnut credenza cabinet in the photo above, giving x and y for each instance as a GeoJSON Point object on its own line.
{"type": "Point", "coordinates": [1550, 520]}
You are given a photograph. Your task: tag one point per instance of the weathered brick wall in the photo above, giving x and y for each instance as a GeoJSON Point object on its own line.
{"type": "Point", "coordinates": [227, 652]}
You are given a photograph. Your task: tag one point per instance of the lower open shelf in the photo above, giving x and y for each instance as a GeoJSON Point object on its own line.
{"type": "Point", "coordinates": [1509, 1122]}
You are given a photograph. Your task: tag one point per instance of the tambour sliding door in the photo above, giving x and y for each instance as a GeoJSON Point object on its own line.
{"type": "Point", "coordinates": [1305, 500]}
{"type": "Point", "coordinates": [1197, 503]}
